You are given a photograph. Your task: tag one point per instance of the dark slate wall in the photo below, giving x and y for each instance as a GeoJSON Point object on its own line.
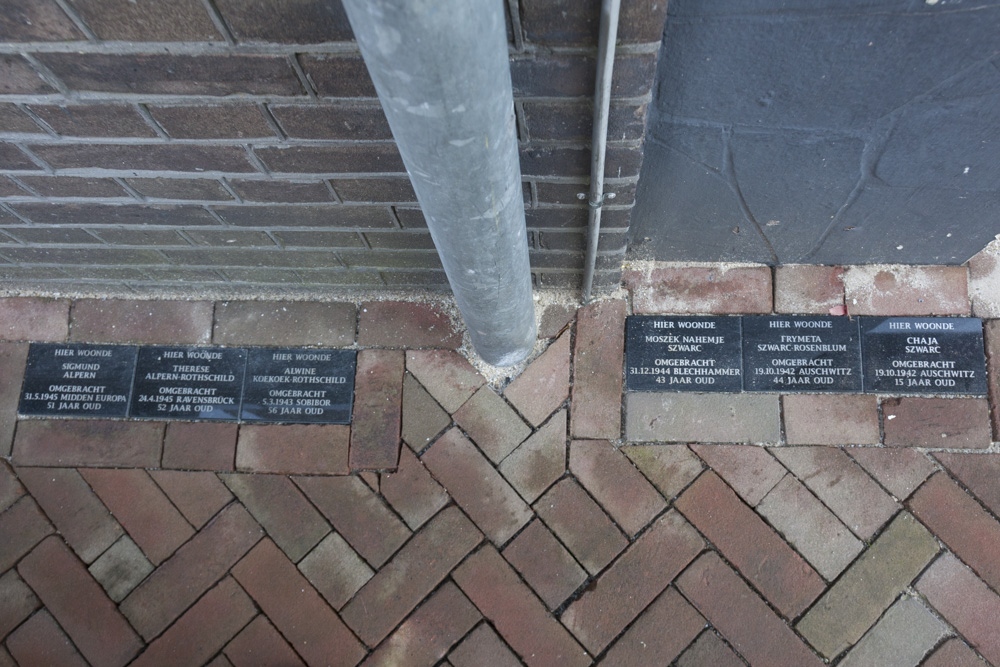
{"type": "Point", "coordinates": [823, 131]}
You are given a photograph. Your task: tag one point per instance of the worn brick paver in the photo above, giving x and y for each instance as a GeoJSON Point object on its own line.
{"type": "Point", "coordinates": [358, 514]}
{"type": "Point", "coordinates": [194, 568]}
{"type": "Point", "coordinates": [91, 443]}
{"type": "Point", "coordinates": [405, 324]}
{"type": "Point", "coordinates": [429, 632]}
{"type": "Point", "coordinates": [646, 643]}
{"type": "Point", "coordinates": [378, 405]}
{"type": "Point", "coordinates": [868, 587]}
{"type": "Point", "coordinates": [23, 526]}
{"type": "Point", "coordinates": [412, 491]}
{"type": "Point", "coordinates": [79, 604]}
{"type": "Point", "coordinates": [581, 524]}
{"type": "Point", "coordinates": [83, 520]}
{"type": "Point", "coordinates": [619, 487]}
{"type": "Point", "coordinates": [284, 324]}
{"type": "Point", "coordinates": [902, 637]}
{"type": "Point", "coordinates": [157, 322]}
{"type": "Point", "coordinates": [143, 510]}
{"type": "Point", "coordinates": [13, 357]}
{"type": "Point", "coordinates": [954, 653]}
{"type": "Point", "coordinates": [17, 602]}
{"type": "Point", "coordinates": [418, 567]}
{"type": "Point", "coordinates": [515, 612]}
{"type": "Point", "coordinates": [203, 629]}
{"type": "Point", "coordinates": [670, 469]}
{"type": "Point", "coordinates": [297, 610]}
{"type": "Point", "coordinates": [514, 527]}
{"type": "Point", "coordinates": [842, 485]}
{"type": "Point", "coordinates": [34, 319]}
{"type": "Point", "coordinates": [336, 570]}
{"type": "Point", "coordinates": [198, 495]}
{"type": "Point", "coordinates": [294, 448]}
{"type": "Point", "coordinates": [476, 486]}
{"type": "Point", "coordinates": [961, 523]}
{"type": "Point", "coordinates": [281, 510]}
{"type": "Point", "coordinates": [10, 488]}
{"type": "Point", "coordinates": [965, 602]}
{"type": "Point", "coordinates": [741, 616]}
{"type": "Point", "coordinates": [200, 446]}
{"type": "Point", "coordinates": [492, 424]}
{"type": "Point", "coordinates": [545, 564]}
{"type": "Point", "coordinates": [260, 644]}
{"type": "Point", "coordinates": [544, 384]}
{"type": "Point", "coordinates": [758, 552]}
{"type": "Point", "coordinates": [810, 527]}
{"type": "Point", "coordinates": [422, 419]}
{"type": "Point", "coordinates": [483, 647]}
{"type": "Point", "coordinates": [978, 473]}
{"type": "Point", "coordinates": [847, 419]}
{"type": "Point", "coordinates": [40, 641]}
{"type": "Point", "coordinates": [751, 471]}
{"type": "Point", "coordinates": [955, 423]}
{"type": "Point", "coordinates": [449, 378]}
{"type": "Point", "coordinates": [538, 461]}
{"type": "Point", "coordinates": [597, 371]}
{"type": "Point", "coordinates": [899, 470]}
{"type": "Point", "coordinates": [633, 581]}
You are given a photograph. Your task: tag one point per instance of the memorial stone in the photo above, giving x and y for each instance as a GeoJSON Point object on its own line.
{"type": "Point", "coordinates": [786, 353]}
{"type": "Point", "coordinates": [299, 385]}
{"type": "Point", "coordinates": [664, 353]}
{"type": "Point", "coordinates": [923, 355]}
{"type": "Point", "coordinates": [77, 380]}
{"type": "Point", "coordinates": [192, 383]}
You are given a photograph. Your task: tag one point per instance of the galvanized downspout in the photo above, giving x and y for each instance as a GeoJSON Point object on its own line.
{"type": "Point", "coordinates": [442, 73]}
{"type": "Point", "coordinates": [599, 140]}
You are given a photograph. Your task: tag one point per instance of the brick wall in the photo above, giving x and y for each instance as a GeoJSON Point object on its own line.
{"type": "Point", "coordinates": [192, 145]}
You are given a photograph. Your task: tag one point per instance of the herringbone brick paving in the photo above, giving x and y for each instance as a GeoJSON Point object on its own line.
{"type": "Point", "coordinates": [508, 528]}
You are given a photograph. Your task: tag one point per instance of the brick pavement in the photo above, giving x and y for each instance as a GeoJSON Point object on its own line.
{"type": "Point", "coordinates": [461, 523]}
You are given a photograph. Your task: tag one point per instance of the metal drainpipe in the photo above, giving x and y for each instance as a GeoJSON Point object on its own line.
{"type": "Point", "coordinates": [599, 140]}
{"type": "Point", "coordinates": [442, 73]}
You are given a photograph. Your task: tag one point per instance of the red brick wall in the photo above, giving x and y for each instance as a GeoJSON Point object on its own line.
{"type": "Point", "coordinates": [219, 143]}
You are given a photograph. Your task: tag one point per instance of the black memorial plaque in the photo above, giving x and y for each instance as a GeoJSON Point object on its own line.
{"type": "Point", "coordinates": [924, 355]}
{"type": "Point", "coordinates": [299, 385]}
{"type": "Point", "coordinates": [786, 353]}
{"type": "Point", "coordinates": [665, 353]}
{"type": "Point", "coordinates": [77, 380]}
{"type": "Point", "coordinates": [188, 383]}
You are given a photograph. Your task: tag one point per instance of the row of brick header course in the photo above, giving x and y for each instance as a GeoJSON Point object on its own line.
{"type": "Point", "coordinates": [372, 441]}
{"type": "Point", "coordinates": [253, 150]}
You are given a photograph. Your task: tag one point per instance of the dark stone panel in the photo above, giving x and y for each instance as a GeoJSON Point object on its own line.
{"type": "Point", "coordinates": [700, 354]}
{"type": "Point", "coordinates": [297, 385]}
{"type": "Point", "coordinates": [77, 380]}
{"type": "Point", "coordinates": [794, 184]}
{"type": "Point", "coordinates": [688, 212]}
{"type": "Point", "coordinates": [826, 70]}
{"type": "Point", "coordinates": [862, 133]}
{"type": "Point", "coordinates": [190, 383]}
